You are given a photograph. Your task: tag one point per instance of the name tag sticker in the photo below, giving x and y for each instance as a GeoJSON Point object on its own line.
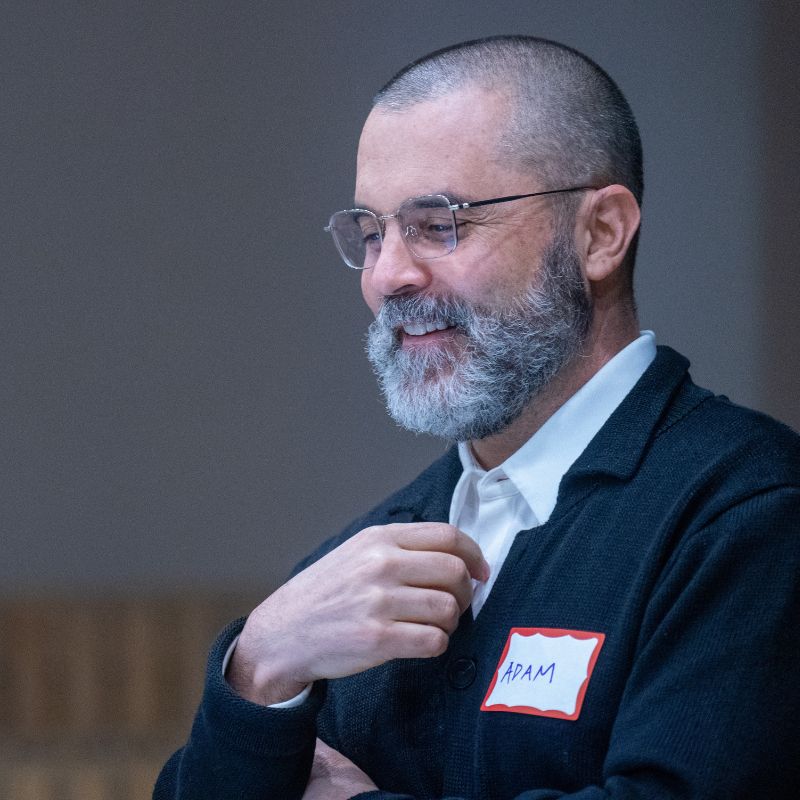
{"type": "Point", "coordinates": [544, 671]}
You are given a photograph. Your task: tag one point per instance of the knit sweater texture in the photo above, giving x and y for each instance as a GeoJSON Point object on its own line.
{"type": "Point", "coordinates": [676, 535]}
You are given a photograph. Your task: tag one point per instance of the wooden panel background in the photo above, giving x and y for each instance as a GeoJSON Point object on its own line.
{"type": "Point", "coordinates": [97, 692]}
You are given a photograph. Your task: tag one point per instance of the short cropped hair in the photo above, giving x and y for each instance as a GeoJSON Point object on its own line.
{"type": "Point", "coordinates": [569, 124]}
{"type": "Point", "coordinates": [570, 121]}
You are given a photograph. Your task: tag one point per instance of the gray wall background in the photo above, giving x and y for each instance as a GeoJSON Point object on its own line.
{"type": "Point", "coordinates": [184, 400]}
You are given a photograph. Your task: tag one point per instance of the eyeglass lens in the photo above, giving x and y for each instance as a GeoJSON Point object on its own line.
{"type": "Point", "coordinates": [427, 223]}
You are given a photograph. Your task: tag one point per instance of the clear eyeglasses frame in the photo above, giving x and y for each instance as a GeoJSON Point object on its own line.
{"type": "Point", "coordinates": [428, 224]}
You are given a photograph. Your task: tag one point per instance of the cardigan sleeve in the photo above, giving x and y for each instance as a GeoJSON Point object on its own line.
{"type": "Point", "coordinates": [711, 708]}
{"type": "Point", "coordinates": [238, 750]}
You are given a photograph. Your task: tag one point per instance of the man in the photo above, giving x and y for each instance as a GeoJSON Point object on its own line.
{"type": "Point", "coordinates": [595, 594]}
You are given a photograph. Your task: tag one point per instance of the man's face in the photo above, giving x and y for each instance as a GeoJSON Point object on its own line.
{"type": "Point", "coordinates": [461, 343]}
{"type": "Point", "coordinates": [449, 146]}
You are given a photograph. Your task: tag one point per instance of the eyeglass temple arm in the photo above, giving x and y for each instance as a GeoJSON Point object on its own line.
{"type": "Point", "coordinates": [457, 206]}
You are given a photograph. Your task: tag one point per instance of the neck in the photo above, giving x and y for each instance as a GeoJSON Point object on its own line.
{"type": "Point", "coordinates": [601, 347]}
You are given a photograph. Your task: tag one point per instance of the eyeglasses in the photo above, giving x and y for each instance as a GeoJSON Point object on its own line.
{"type": "Point", "coordinates": [428, 224]}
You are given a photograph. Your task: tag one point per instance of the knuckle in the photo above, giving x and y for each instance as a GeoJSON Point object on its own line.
{"type": "Point", "coordinates": [374, 600]}
{"type": "Point", "coordinates": [455, 571]}
{"type": "Point", "coordinates": [386, 563]}
{"type": "Point", "coordinates": [452, 611]}
{"type": "Point", "coordinates": [371, 534]}
{"type": "Point", "coordinates": [376, 558]}
{"type": "Point", "coordinates": [448, 536]}
{"type": "Point", "coordinates": [435, 641]}
{"type": "Point", "coordinates": [426, 641]}
{"type": "Point", "coordinates": [376, 637]}
{"type": "Point", "coordinates": [447, 610]}
{"type": "Point", "coordinates": [364, 533]}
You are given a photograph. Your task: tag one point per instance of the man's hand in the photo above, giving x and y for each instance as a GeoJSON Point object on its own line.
{"type": "Point", "coordinates": [392, 591]}
{"type": "Point", "coordinates": [334, 777]}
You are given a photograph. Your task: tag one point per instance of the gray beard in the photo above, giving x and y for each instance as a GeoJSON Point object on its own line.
{"type": "Point", "coordinates": [510, 355]}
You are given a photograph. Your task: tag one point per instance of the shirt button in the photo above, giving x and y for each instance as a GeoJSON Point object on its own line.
{"type": "Point", "coordinates": [461, 673]}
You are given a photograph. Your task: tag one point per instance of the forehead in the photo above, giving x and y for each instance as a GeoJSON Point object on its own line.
{"type": "Point", "coordinates": [449, 143]}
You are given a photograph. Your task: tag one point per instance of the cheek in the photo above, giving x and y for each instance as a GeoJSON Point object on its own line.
{"type": "Point", "coordinates": [496, 280]}
{"type": "Point", "coordinates": [519, 270]}
{"type": "Point", "coordinates": [502, 270]}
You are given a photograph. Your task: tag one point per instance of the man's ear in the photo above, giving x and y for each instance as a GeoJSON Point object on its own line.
{"type": "Point", "coordinates": [609, 224]}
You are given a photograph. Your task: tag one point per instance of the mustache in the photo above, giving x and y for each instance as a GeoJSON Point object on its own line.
{"type": "Point", "coordinates": [395, 311]}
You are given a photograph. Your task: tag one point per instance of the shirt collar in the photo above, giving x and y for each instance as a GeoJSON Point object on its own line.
{"type": "Point", "coordinates": [537, 468]}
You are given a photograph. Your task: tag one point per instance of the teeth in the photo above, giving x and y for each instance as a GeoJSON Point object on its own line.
{"type": "Point", "coordinates": [421, 328]}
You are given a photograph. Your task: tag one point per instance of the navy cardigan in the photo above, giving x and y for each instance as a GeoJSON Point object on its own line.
{"type": "Point", "coordinates": [677, 536]}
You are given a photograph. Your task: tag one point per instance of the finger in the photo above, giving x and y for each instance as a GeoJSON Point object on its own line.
{"type": "Point", "coordinates": [413, 640]}
{"type": "Point", "coordinates": [443, 538]}
{"type": "Point", "coordinates": [424, 606]}
{"type": "Point", "coordinates": [432, 570]}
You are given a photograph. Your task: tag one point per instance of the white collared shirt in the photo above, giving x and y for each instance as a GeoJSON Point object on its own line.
{"type": "Point", "coordinates": [493, 507]}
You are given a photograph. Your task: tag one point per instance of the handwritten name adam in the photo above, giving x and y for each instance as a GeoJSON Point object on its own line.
{"type": "Point", "coordinates": [516, 672]}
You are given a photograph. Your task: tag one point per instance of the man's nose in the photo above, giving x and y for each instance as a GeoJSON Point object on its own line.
{"type": "Point", "coordinates": [397, 270]}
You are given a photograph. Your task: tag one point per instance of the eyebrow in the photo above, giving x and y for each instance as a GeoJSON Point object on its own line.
{"type": "Point", "coordinates": [453, 197]}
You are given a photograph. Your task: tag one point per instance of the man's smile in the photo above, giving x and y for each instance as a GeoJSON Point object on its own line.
{"type": "Point", "coordinates": [424, 334]}
{"type": "Point", "coordinates": [421, 328]}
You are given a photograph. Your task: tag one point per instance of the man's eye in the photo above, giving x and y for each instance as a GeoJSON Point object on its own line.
{"type": "Point", "coordinates": [371, 238]}
{"type": "Point", "coordinates": [368, 229]}
{"type": "Point", "coordinates": [437, 228]}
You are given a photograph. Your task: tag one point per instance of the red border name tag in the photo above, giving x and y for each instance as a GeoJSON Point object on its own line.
{"type": "Point", "coordinates": [544, 671]}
